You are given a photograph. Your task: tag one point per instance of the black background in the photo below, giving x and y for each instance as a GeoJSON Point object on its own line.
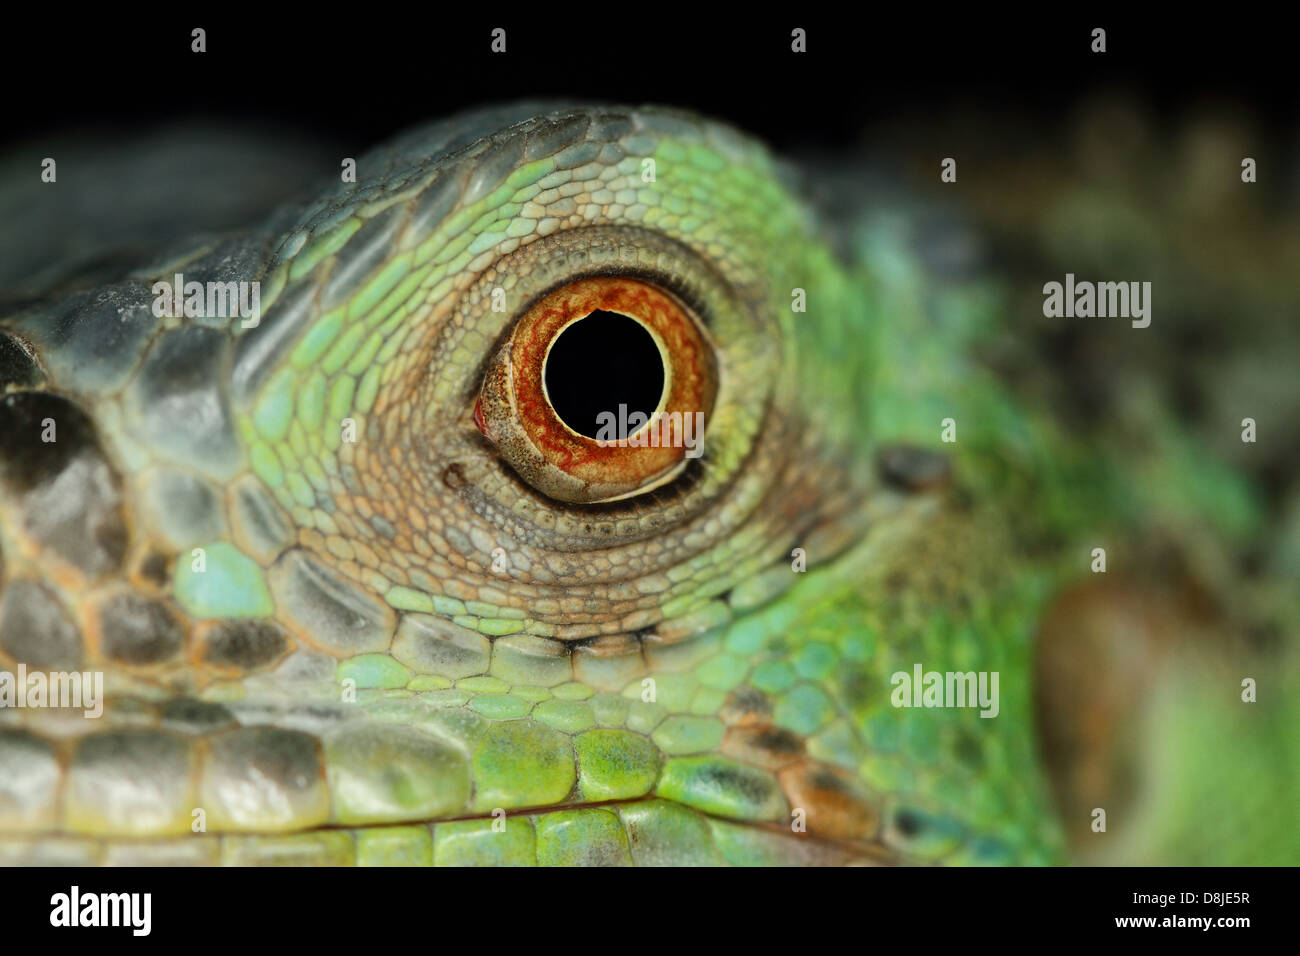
{"type": "Point", "coordinates": [859, 909]}
{"type": "Point", "coordinates": [355, 74]}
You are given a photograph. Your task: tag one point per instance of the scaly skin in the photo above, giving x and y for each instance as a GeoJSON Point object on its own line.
{"type": "Point", "coordinates": [301, 627]}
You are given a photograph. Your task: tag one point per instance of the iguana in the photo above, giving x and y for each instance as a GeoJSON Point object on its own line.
{"type": "Point", "coordinates": [363, 588]}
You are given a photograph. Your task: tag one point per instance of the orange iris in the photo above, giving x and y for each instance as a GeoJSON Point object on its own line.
{"type": "Point", "coordinates": [515, 408]}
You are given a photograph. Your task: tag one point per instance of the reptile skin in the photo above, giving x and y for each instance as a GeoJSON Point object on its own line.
{"type": "Point", "coordinates": [383, 647]}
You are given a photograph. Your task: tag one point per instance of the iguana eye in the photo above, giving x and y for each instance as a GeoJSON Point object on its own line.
{"type": "Point", "coordinates": [601, 391]}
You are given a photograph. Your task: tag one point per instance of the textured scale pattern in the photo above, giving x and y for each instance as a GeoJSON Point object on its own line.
{"type": "Point", "coordinates": [302, 628]}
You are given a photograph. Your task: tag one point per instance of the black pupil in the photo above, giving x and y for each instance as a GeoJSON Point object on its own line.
{"type": "Point", "coordinates": [599, 363]}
